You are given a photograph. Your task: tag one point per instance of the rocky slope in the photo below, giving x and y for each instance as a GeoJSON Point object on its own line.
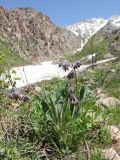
{"type": "Point", "coordinates": [33, 35]}
{"type": "Point", "coordinates": [109, 40]}
{"type": "Point", "coordinates": [87, 28]}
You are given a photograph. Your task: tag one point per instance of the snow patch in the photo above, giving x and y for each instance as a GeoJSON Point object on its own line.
{"type": "Point", "coordinates": [45, 71]}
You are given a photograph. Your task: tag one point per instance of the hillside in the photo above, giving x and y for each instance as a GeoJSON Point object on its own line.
{"type": "Point", "coordinates": [33, 36]}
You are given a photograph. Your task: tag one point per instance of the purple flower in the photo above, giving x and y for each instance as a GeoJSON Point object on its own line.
{"type": "Point", "coordinates": [73, 100]}
{"type": "Point", "coordinates": [14, 93]}
{"type": "Point", "coordinates": [76, 65]}
{"type": "Point", "coordinates": [71, 75]}
{"type": "Point", "coordinates": [65, 65]}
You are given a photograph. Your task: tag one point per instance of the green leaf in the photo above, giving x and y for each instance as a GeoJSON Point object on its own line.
{"type": "Point", "coordinates": [83, 94]}
{"type": "Point", "coordinates": [53, 110]}
{"type": "Point", "coordinates": [45, 106]}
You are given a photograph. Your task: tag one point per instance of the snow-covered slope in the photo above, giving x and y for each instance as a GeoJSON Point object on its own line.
{"type": "Point", "coordinates": [87, 28]}
{"type": "Point", "coordinates": [115, 20]}
{"type": "Point", "coordinates": [90, 26]}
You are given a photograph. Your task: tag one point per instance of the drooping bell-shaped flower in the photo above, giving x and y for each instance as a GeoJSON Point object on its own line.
{"type": "Point", "coordinates": [73, 100]}
{"type": "Point", "coordinates": [71, 75]}
{"type": "Point", "coordinates": [64, 64]}
{"type": "Point", "coordinates": [76, 65]}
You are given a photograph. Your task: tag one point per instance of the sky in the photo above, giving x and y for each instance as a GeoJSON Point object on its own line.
{"type": "Point", "coordinates": [66, 12]}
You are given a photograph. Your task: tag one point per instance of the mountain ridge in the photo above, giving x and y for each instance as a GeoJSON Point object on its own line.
{"type": "Point", "coordinates": [85, 29]}
{"type": "Point", "coordinates": [33, 36]}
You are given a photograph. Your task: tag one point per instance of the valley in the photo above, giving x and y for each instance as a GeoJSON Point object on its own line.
{"type": "Point", "coordinates": [59, 88]}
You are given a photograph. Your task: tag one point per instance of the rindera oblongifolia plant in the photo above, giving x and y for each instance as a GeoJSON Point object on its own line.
{"type": "Point", "coordinates": [72, 74]}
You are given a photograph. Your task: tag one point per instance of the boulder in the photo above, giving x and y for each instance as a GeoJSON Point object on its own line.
{"type": "Point", "coordinates": [70, 157]}
{"type": "Point", "coordinates": [109, 101]}
{"type": "Point", "coordinates": [115, 136]}
{"type": "Point", "coordinates": [110, 154]}
{"type": "Point", "coordinates": [116, 145]}
{"type": "Point", "coordinates": [114, 132]}
{"type": "Point", "coordinates": [29, 88]}
{"type": "Point", "coordinates": [37, 89]}
{"type": "Point", "coordinates": [99, 93]}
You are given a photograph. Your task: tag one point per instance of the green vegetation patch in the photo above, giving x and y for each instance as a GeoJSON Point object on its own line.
{"type": "Point", "coordinates": [95, 45]}
{"type": "Point", "coordinates": [10, 59]}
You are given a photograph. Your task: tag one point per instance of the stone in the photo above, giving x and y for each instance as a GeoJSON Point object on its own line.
{"type": "Point", "coordinates": [37, 89]}
{"type": "Point", "coordinates": [114, 132]}
{"type": "Point", "coordinates": [115, 136]}
{"type": "Point", "coordinates": [109, 101]}
{"type": "Point", "coordinates": [70, 157]}
{"type": "Point", "coordinates": [29, 88]}
{"type": "Point", "coordinates": [89, 82]}
{"type": "Point", "coordinates": [116, 145]}
{"type": "Point", "coordinates": [110, 154]}
{"type": "Point", "coordinates": [99, 93]}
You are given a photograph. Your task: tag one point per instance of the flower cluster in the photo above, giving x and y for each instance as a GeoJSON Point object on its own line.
{"type": "Point", "coordinates": [14, 93]}
{"type": "Point", "coordinates": [65, 65]}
